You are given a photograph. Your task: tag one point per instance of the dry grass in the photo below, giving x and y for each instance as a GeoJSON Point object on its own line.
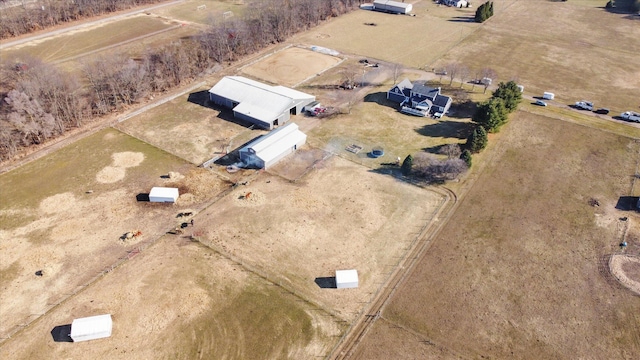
{"type": "Point", "coordinates": [188, 10]}
{"type": "Point", "coordinates": [77, 43]}
{"type": "Point", "coordinates": [517, 270]}
{"type": "Point", "coordinates": [213, 309]}
{"type": "Point", "coordinates": [61, 216]}
{"type": "Point", "coordinates": [411, 41]}
{"type": "Point", "coordinates": [575, 51]}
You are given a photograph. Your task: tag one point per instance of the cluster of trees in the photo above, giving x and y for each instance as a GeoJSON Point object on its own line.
{"type": "Point", "coordinates": [45, 102]}
{"type": "Point", "coordinates": [492, 114]}
{"type": "Point", "coordinates": [30, 16]}
{"type": "Point", "coordinates": [433, 169]}
{"type": "Point", "coordinates": [484, 11]}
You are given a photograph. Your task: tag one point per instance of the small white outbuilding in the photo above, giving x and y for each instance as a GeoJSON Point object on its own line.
{"type": "Point", "coordinates": [164, 195]}
{"type": "Point", "coordinates": [346, 279]}
{"type": "Point", "coordinates": [91, 328]}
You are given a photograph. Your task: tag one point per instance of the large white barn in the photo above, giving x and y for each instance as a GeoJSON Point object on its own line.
{"type": "Point", "coordinates": [267, 150]}
{"type": "Point", "coordinates": [261, 104]}
{"type": "Point", "coordinates": [390, 6]}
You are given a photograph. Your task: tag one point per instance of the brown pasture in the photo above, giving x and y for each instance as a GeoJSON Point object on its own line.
{"type": "Point", "coordinates": [66, 214]}
{"type": "Point", "coordinates": [412, 41]}
{"type": "Point", "coordinates": [521, 268]}
{"type": "Point", "coordinates": [290, 66]}
{"type": "Point", "coordinates": [577, 52]}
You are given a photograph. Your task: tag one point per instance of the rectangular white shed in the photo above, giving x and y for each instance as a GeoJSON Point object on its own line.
{"type": "Point", "coordinates": [163, 194]}
{"type": "Point", "coordinates": [346, 279]}
{"type": "Point", "coordinates": [272, 147]}
{"type": "Point", "coordinates": [91, 328]}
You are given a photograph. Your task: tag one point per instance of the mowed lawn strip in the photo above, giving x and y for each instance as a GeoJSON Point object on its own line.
{"type": "Point", "coordinates": [84, 41]}
{"type": "Point", "coordinates": [515, 272]}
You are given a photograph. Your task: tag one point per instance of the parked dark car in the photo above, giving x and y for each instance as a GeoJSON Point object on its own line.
{"type": "Point", "coordinates": [603, 111]}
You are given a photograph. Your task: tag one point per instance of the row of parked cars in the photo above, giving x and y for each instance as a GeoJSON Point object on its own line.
{"type": "Point", "coordinates": [627, 115]}
{"type": "Point", "coordinates": [588, 105]}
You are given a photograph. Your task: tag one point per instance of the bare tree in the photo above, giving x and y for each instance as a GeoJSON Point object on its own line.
{"type": "Point", "coordinates": [451, 150]}
{"type": "Point", "coordinates": [349, 75]}
{"type": "Point", "coordinates": [452, 70]}
{"type": "Point", "coordinates": [464, 73]}
{"type": "Point", "coordinates": [488, 77]}
{"type": "Point", "coordinates": [433, 169]}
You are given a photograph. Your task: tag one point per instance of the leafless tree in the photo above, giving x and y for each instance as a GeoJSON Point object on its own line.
{"type": "Point", "coordinates": [349, 75]}
{"type": "Point", "coordinates": [464, 73]}
{"type": "Point", "coordinates": [452, 69]}
{"type": "Point", "coordinates": [451, 150]}
{"type": "Point", "coordinates": [488, 73]}
{"type": "Point", "coordinates": [432, 169]}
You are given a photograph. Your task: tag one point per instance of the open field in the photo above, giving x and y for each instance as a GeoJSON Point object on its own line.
{"type": "Point", "coordinates": [527, 278]}
{"type": "Point", "coordinates": [181, 300]}
{"type": "Point", "coordinates": [188, 128]}
{"type": "Point", "coordinates": [202, 11]}
{"type": "Point", "coordinates": [77, 43]}
{"type": "Point", "coordinates": [411, 41]}
{"type": "Point", "coordinates": [66, 212]}
{"type": "Point", "coordinates": [577, 52]}
{"type": "Point", "coordinates": [290, 66]}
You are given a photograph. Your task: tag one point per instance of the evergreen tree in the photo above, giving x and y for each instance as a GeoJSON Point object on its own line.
{"type": "Point", "coordinates": [510, 93]}
{"type": "Point", "coordinates": [466, 157]}
{"type": "Point", "coordinates": [478, 140]}
{"type": "Point", "coordinates": [407, 164]}
{"type": "Point", "coordinates": [491, 114]}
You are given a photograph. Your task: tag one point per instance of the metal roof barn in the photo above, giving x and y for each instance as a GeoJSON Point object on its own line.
{"type": "Point", "coordinates": [261, 104]}
{"type": "Point", "coordinates": [163, 194]}
{"type": "Point", "coordinates": [346, 279]}
{"type": "Point", "coordinates": [91, 328]}
{"type": "Point", "coordinates": [395, 7]}
{"type": "Point", "coordinates": [267, 150]}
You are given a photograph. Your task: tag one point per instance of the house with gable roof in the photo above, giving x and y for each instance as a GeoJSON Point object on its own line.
{"type": "Point", "coordinates": [419, 99]}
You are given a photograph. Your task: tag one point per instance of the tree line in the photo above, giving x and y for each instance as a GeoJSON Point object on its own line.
{"type": "Point", "coordinates": [40, 101]}
{"type": "Point", "coordinates": [29, 17]}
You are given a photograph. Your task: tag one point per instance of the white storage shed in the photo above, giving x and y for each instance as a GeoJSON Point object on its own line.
{"type": "Point", "coordinates": [163, 194]}
{"type": "Point", "coordinates": [267, 150]}
{"type": "Point", "coordinates": [346, 279]}
{"type": "Point", "coordinates": [394, 7]}
{"type": "Point", "coordinates": [91, 328]}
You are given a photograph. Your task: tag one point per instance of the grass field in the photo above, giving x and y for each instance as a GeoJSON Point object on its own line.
{"type": "Point", "coordinates": [577, 52]}
{"type": "Point", "coordinates": [81, 42]}
{"type": "Point", "coordinates": [527, 277]}
{"type": "Point", "coordinates": [184, 301]}
{"type": "Point", "coordinates": [427, 37]}
{"type": "Point", "coordinates": [65, 214]}
{"type": "Point", "coordinates": [202, 11]}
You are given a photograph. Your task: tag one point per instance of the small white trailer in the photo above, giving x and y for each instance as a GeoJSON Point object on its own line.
{"type": "Point", "coordinates": [346, 279]}
{"type": "Point", "coordinates": [91, 328]}
{"type": "Point", "coordinates": [164, 194]}
{"type": "Point", "coordinates": [548, 95]}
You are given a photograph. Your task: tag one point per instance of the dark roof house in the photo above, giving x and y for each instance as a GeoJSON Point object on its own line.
{"type": "Point", "coordinates": [419, 99]}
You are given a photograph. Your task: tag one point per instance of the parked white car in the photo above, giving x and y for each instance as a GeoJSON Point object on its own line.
{"type": "Point", "coordinates": [630, 116]}
{"type": "Point", "coordinates": [584, 105]}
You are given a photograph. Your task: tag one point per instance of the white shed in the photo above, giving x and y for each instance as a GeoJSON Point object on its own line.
{"type": "Point", "coordinates": [346, 279]}
{"type": "Point", "coordinates": [91, 328]}
{"type": "Point", "coordinates": [163, 194]}
{"type": "Point", "coordinates": [394, 7]}
{"type": "Point", "coordinates": [267, 150]}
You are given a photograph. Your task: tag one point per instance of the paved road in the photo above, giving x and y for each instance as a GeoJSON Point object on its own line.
{"type": "Point", "coordinates": [84, 25]}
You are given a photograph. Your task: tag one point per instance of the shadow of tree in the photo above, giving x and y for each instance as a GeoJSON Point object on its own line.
{"type": "Point", "coordinates": [447, 129]}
